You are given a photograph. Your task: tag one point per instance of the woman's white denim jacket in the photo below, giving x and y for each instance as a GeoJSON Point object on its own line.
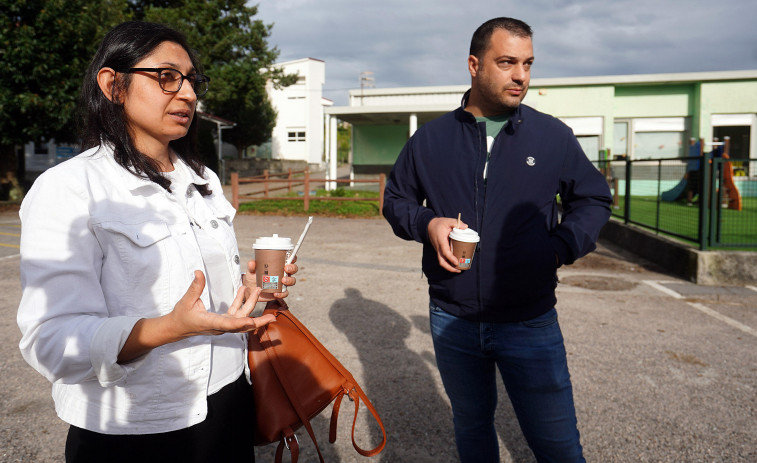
{"type": "Point", "coordinates": [100, 249]}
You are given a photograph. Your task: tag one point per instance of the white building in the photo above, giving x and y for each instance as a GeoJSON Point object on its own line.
{"type": "Point", "coordinates": [298, 135]}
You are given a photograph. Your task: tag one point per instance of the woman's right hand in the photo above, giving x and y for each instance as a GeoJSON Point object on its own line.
{"type": "Point", "coordinates": [190, 318]}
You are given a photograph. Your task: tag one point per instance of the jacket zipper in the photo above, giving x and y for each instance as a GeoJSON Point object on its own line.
{"type": "Point", "coordinates": [479, 225]}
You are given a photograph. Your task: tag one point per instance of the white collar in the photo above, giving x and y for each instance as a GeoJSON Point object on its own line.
{"type": "Point", "coordinates": [133, 182]}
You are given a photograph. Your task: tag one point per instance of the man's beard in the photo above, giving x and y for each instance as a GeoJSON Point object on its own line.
{"type": "Point", "coordinates": [499, 101]}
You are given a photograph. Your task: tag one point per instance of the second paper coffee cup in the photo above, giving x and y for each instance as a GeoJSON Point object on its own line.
{"type": "Point", "coordinates": [463, 244]}
{"type": "Point", "coordinates": [271, 253]}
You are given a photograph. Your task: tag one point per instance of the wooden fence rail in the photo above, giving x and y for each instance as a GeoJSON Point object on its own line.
{"type": "Point", "coordinates": [289, 174]}
{"type": "Point", "coordinates": [306, 181]}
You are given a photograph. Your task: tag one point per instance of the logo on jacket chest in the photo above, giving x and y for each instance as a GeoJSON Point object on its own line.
{"type": "Point", "coordinates": [530, 161]}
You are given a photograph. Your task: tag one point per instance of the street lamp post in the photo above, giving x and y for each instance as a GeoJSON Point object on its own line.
{"type": "Point", "coordinates": [366, 80]}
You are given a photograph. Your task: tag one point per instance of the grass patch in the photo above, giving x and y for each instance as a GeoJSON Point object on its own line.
{"type": "Point", "coordinates": [322, 207]}
{"type": "Point", "coordinates": [736, 227]}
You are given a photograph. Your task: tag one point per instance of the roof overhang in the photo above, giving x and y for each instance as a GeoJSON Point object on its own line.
{"type": "Point", "coordinates": [221, 122]}
{"type": "Point", "coordinates": [387, 115]}
{"type": "Point", "coordinates": [399, 115]}
{"type": "Point", "coordinates": [632, 79]}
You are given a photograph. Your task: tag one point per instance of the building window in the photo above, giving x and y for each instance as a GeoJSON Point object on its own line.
{"type": "Point", "coordinates": [590, 145]}
{"type": "Point", "coordinates": [620, 139]}
{"type": "Point", "coordinates": [295, 135]}
{"type": "Point", "coordinates": [588, 131]}
{"type": "Point", "coordinates": [653, 145]}
{"type": "Point", "coordinates": [741, 128]}
{"type": "Point", "coordinates": [652, 138]}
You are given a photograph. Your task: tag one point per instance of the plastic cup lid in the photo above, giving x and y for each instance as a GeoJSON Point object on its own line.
{"type": "Point", "coordinates": [274, 242]}
{"type": "Point", "coordinates": [466, 236]}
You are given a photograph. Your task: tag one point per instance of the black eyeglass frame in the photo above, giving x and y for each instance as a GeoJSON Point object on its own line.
{"type": "Point", "coordinates": [194, 78]}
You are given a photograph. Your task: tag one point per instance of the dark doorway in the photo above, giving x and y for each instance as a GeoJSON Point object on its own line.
{"type": "Point", "coordinates": [739, 145]}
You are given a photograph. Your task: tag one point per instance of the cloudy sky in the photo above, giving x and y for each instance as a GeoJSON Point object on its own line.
{"type": "Point", "coordinates": [408, 43]}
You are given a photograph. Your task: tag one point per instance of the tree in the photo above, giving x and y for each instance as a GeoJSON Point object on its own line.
{"type": "Point", "coordinates": [45, 47]}
{"type": "Point", "coordinates": [343, 142]}
{"type": "Point", "coordinates": [235, 53]}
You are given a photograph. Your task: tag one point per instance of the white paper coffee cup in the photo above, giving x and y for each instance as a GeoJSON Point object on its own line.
{"type": "Point", "coordinates": [463, 243]}
{"type": "Point", "coordinates": [271, 253]}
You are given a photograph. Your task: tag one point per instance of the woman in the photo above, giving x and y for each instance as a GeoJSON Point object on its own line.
{"type": "Point", "coordinates": [133, 303]}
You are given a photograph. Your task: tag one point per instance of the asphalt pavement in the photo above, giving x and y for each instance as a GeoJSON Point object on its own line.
{"type": "Point", "coordinates": [663, 370]}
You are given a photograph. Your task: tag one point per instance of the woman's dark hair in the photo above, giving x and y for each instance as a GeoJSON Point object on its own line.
{"type": "Point", "coordinates": [105, 122]}
{"type": "Point", "coordinates": [480, 41]}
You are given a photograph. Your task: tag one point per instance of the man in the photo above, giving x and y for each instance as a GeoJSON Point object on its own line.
{"type": "Point", "coordinates": [693, 174]}
{"type": "Point", "coordinates": [500, 164]}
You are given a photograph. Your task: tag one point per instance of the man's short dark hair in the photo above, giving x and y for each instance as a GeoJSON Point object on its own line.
{"type": "Point", "coordinates": [480, 41]}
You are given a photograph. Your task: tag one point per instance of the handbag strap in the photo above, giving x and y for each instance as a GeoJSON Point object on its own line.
{"type": "Point", "coordinates": [355, 393]}
{"type": "Point", "coordinates": [350, 388]}
{"type": "Point", "coordinates": [289, 439]}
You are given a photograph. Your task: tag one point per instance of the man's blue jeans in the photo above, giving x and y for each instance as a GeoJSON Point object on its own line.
{"type": "Point", "coordinates": [531, 358]}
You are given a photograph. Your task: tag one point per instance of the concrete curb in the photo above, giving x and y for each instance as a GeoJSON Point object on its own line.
{"type": "Point", "coordinates": [700, 267]}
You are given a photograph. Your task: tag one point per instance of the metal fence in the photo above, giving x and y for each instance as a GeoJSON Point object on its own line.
{"type": "Point", "coordinates": [707, 200]}
{"type": "Point", "coordinates": [305, 182]}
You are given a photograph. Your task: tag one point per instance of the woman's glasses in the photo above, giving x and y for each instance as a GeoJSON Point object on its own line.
{"type": "Point", "coordinates": [170, 80]}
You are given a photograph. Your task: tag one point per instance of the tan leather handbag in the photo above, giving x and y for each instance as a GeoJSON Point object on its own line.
{"type": "Point", "coordinates": [294, 379]}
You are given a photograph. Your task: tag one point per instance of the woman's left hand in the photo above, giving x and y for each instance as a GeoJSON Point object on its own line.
{"type": "Point", "coordinates": [248, 279]}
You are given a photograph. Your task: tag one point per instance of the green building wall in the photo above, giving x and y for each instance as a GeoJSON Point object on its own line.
{"type": "Point", "coordinates": [654, 101]}
{"type": "Point", "coordinates": [564, 101]}
{"type": "Point", "coordinates": [725, 98]}
{"type": "Point", "coordinates": [376, 147]}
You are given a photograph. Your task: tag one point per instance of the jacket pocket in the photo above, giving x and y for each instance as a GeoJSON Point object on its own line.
{"type": "Point", "coordinates": [136, 266]}
{"type": "Point", "coordinates": [542, 254]}
{"type": "Point", "coordinates": [141, 234]}
{"type": "Point", "coordinates": [529, 257]}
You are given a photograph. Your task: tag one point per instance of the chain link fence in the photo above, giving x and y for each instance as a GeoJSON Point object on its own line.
{"type": "Point", "coordinates": [707, 200]}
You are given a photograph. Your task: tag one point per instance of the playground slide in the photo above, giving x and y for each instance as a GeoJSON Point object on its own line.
{"type": "Point", "coordinates": [679, 190]}
{"type": "Point", "coordinates": [676, 192]}
{"type": "Point", "coordinates": [731, 193]}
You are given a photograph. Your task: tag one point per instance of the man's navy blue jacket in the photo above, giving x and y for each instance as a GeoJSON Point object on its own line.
{"type": "Point", "coordinates": [534, 158]}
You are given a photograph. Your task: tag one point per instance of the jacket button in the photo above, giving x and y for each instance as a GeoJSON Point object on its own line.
{"type": "Point", "coordinates": [214, 224]}
{"type": "Point", "coordinates": [236, 260]}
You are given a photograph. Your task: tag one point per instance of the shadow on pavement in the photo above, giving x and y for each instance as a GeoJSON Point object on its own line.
{"type": "Point", "coordinates": [402, 385]}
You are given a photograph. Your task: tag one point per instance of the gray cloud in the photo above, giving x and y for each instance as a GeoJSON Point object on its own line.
{"type": "Point", "coordinates": [425, 42]}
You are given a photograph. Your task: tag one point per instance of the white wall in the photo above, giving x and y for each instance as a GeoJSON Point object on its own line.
{"type": "Point", "coordinates": [300, 112]}
{"type": "Point", "coordinates": [409, 96]}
